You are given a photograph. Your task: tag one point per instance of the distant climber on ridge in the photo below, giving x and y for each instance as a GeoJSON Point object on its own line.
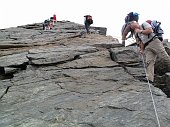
{"type": "Point", "coordinates": [87, 22]}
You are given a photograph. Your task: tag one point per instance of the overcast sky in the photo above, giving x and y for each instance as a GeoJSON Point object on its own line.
{"type": "Point", "coordinates": [106, 13]}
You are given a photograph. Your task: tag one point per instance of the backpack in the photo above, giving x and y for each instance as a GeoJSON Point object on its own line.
{"type": "Point", "coordinates": [132, 16]}
{"type": "Point", "coordinates": [89, 19]}
{"type": "Point", "coordinates": [156, 28]}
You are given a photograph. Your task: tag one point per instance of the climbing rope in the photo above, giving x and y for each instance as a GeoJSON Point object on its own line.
{"type": "Point", "coordinates": [156, 114]}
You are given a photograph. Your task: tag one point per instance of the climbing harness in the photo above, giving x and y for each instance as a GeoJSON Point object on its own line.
{"type": "Point", "coordinates": [156, 114]}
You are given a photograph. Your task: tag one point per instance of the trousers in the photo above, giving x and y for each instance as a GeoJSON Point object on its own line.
{"type": "Point", "coordinates": [87, 26]}
{"type": "Point", "coordinates": [154, 49]}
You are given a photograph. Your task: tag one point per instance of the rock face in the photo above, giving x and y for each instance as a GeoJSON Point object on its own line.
{"type": "Point", "coordinates": [65, 78]}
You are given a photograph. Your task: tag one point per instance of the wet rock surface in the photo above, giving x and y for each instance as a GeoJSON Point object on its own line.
{"type": "Point", "coordinates": [61, 78]}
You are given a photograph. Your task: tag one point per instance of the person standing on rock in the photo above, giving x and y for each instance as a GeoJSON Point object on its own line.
{"type": "Point", "coordinates": [51, 23]}
{"type": "Point", "coordinates": [46, 24]}
{"type": "Point", "coordinates": [54, 18]}
{"type": "Point", "coordinates": [87, 22]}
{"type": "Point", "coordinates": [151, 46]}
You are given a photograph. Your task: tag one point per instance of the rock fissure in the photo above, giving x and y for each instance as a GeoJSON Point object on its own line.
{"type": "Point", "coordinates": [5, 92]}
{"type": "Point", "coordinates": [119, 108]}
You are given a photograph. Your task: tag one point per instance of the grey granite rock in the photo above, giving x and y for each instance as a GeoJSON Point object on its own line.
{"type": "Point", "coordinates": [58, 78]}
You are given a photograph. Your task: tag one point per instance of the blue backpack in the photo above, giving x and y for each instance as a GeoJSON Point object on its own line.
{"type": "Point", "coordinates": [156, 28]}
{"type": "Point", "coordinates": [132, 16]}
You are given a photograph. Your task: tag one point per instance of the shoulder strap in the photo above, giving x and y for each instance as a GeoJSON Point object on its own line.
{"type": "Point", "coordinates": [143, 27]}
{"type": "Point", "coordinates": [137, 36]}
{"type": "Point", "coordinates": [157, 27]}
{"type": "Point", "coordinates": [132, 32]}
